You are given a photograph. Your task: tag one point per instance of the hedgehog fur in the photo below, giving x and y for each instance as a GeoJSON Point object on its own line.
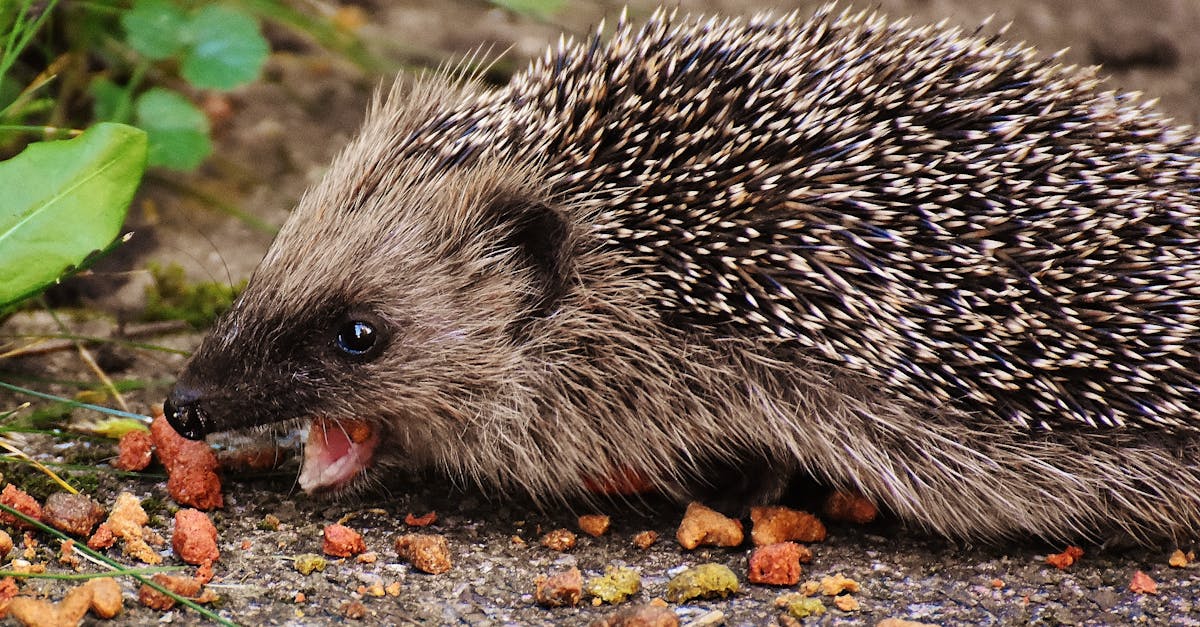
{"type": "Point", "coordinates": [914, 262]}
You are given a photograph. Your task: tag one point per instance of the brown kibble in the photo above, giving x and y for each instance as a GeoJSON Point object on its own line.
{"type": "Point", "coordinates": [645, 539]}
{"type": "Point", "coordinates": [168, 444]}
{"type": "Point", "coordinates": [1143, 584]}
{"type": "Point", "coordinates": [204, 574]}
{"type": "Point", "coordinates": [106, 596]}
{"type": "Point", "coordinates": [559, 540]}
{"type": "Point", "coordinates": [412, 520]}
{"type": "Point", "coordinates": [775, 564]}
{"type": "Point", "coordinates": [191, 467]}
{"type": "Point", "coordinates": [846, 603]}
{"type": "Point", "coordinates": [1179, 559]}
{"type": "Point", "coordinates": [24, 567]}
{"type": "Point", "coordinates": [369, 557]}
{"type": "Point", "coordinates": [427, 552]}
{"type": "Point", "coordinates": [6, 544]}
{"type": "Point", "coordinates": [195, 537]}
{"type": "Point", "coordinates": [127, 522]}
{"type": "Point", "coordinates": [194, 485]}
{"type": "Point", "coordinates": [594, 525]}
{"type": "Point", "coordinates": [342, 541]}
{"type": "Point", "coordinates": [102, 596]}
{"type": "Point", "coordinates": [102, 539]}
{"type": "Point", "coordinates": [299, 598]}
{"type": "Point", "coordinates": [17, 499]}
{"type": "Point", "coordinates": [67, 555]}
{"type": "Point", "coordinates": [154, 599]}
{"type": "Point", "coordinates": [641, 615]}
{"type": "Point", "coordinates": [75, 514]}
{"type": "Point", "coordinates": [8, 592]}
{"type": "Point", "coordinates": [997, 583]}
{"type": "Point", "coordinates": [851, 507]}
{"type": "Point", "coordinates": [393, 589]}
{"type": "Point", "coordinates": [127, 516]}
{"type": "Point", "coordinates": [354, 610]}
{"type": "Point", "coordinates": [42, 613]}
{"type": "Point", "coordinates": [559, 589]}
{"type": "Point", "coordinates": [29, 541]}
{"type": "Point", "coordinates": [704, 526]}
{"type": "Point", "coordinates": [837, 584]}
{"type": "Point", "coordinates": [1064, 560]}
{"type": "Point", "coordinates": [772, 525]}
{"type": "Point", "coordinates": [183, 586]}
{"type": "Point", "coordinates": [134, 451]}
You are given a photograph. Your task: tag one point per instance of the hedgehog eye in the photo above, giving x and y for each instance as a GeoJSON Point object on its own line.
{"type": "Point", "coordinates": [359, 337]}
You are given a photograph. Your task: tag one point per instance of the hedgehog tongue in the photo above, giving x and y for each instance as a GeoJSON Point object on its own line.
{"type": "Point", "coordinates": [336, 452]}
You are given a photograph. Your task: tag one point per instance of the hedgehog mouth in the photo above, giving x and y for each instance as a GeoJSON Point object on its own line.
{"type": "Point", "coordinates": [336, 453]}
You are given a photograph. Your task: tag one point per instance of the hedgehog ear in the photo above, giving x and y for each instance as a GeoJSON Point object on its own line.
{"type": "Point", "coordinates": [541, 236]}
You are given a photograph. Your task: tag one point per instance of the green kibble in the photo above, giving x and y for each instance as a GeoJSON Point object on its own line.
{"type": "Point", "coordinates": [615, 585]}
{"type": "Point", "coordinates": [705, 581]}
{"type": "Point", "coordinates": [309, 562]}
{"type": "Point", "coordinates": [800, 606]}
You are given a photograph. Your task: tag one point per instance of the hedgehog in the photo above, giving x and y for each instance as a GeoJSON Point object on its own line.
{"type": "Point", "coordinates": [712, 255]}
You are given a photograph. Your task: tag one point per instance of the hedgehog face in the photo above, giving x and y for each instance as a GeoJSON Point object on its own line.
{"type": "Point", "coordinates": [388, 320]}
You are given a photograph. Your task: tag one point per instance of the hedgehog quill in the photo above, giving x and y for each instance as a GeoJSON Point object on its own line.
{"type": "Point", "coordinates": [920, 263]}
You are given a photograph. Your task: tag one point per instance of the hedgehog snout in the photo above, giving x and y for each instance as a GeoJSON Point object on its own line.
{"type": "Point", "coordinates": [185, 414]}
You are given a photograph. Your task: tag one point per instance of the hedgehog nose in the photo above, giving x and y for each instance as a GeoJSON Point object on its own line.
{"type": "Point", "coordinates": [183, 412]}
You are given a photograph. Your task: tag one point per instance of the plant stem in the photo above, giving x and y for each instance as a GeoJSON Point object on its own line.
{"type": "Point", "coordinates": [151, 570]}
{"type": "Point", "coordinates": [73, 403]}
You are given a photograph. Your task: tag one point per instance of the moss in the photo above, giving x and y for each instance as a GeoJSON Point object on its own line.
{"type": "Point", "coordinates": [154, 506]}
{"type": "Point", "coordinates": [172, 297]}
{"type": "Point", "coordinates": [33, 482]}
{"type": "Point", "coordinates": [86, 483]}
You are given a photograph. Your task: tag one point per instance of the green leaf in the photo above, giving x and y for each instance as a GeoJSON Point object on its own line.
{"type": "Point", "coordinates": [62, 201]}
{"type": "Point", "coordinates": [155, 28]}
{"type": "Point", "coordinates": [110, 102]}
{"type": "Point", "coordinates": [178, 130]}
{"type": "Point", "coordinates": [227, 49]}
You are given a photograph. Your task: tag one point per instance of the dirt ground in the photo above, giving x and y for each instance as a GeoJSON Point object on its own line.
{"type": "Point", "coordinates": [282, 133]}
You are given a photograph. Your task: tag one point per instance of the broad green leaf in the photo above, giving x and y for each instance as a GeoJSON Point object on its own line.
{"type": "Point", "coordinates": [178, 130]}
{"type": "Point", "coordinates": [62, 201]}
{"type": "Point", "coordinates": [227, 49]}
{"type": "Point", "coordinates": [155, 28]}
